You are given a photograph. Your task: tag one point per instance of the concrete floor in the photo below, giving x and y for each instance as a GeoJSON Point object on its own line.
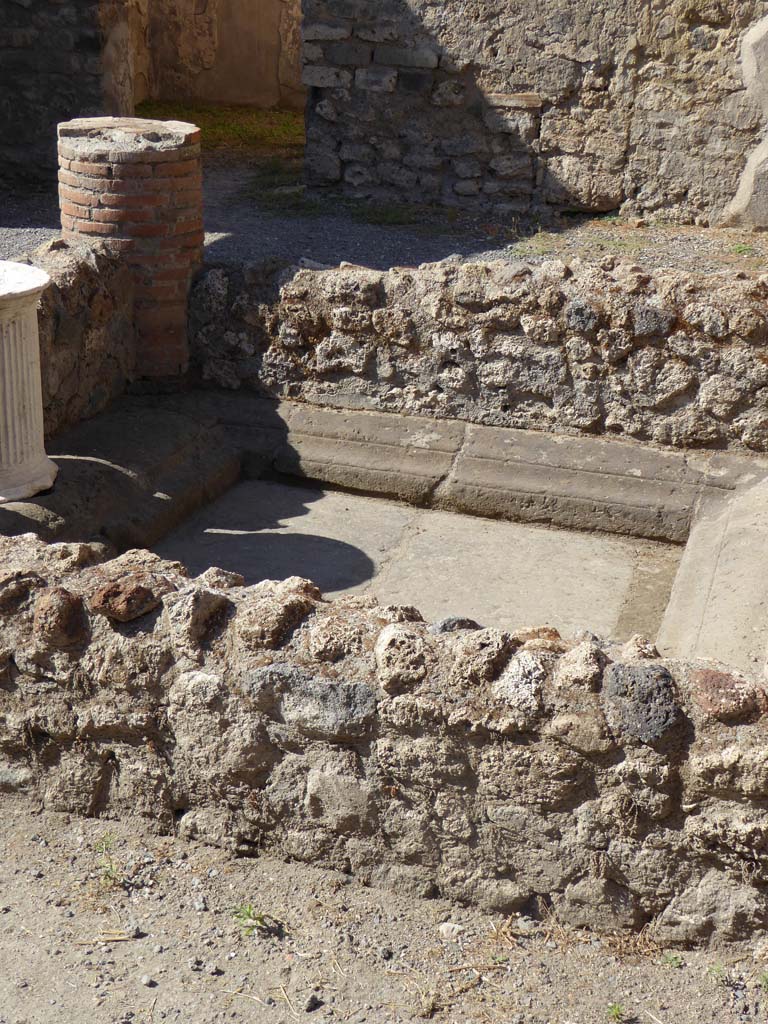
{"type": "Point", "coordinates": [501, 574]}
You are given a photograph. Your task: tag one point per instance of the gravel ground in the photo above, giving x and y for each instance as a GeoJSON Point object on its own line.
{"type": "Point", "coordinates": [26, 221]}
{"type": "Point", "coordinates": [109, 923]}
{"type": "Point", "coordinates": [241, 227]}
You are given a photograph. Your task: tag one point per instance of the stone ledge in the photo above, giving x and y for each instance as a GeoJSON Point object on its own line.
{"type": "Point", "coordinates": [193, 446]}
{"type": "Point", "coordinates": [127, 476]}
{"type": "Point", "coordinates": [719, 603]}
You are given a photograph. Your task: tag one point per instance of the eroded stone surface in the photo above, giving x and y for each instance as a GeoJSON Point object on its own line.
{"type": "Point", "coordinates": [87, 338]}
{"type": "Point", "coordinates": [666, 356]}
{"type": "Point", "coordinates": [498, 769]}
{"type": "Point", "coordinates": [566, 104]}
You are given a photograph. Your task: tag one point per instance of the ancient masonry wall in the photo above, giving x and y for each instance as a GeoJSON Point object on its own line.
{"type": "Point", "coordinates": [222, 51]}
{"type": "Point", "coordinates": [87, 341]}
{"type": "Point", "coordinates": [57, 61]}
{"type": "Point", "coordinates": [532, 105]}
{"type": "Point", "coordinates": [514, 771]}
{"type": "Point", "coordinates": [672, 357]}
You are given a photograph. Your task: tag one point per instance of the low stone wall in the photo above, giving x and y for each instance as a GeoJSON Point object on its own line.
{"type": "Point", "coordinates": [87, 343]}
{"type": "Point", "coordinates": [511, 771]}
{"type": "Point", "coordinates": [672, 357]}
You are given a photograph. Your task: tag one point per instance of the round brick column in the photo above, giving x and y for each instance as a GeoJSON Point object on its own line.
{"type": "Point", "coordinates": [137, 186]}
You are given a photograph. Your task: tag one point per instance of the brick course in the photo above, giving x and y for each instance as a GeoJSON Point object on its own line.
{"type": "Point", "coordinates": [137, 185]}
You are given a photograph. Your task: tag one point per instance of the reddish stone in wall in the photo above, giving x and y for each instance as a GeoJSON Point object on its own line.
{"type": "Point", "coordinates": [727, 697]}
{"type": "Point", "coordinates": [136, 185]}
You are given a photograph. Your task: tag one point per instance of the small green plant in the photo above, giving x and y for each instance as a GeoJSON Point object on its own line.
{"type": "Point", "coordinates": [616, 1013]}
{"type": "Point", "coordinates": [249, 919]}
{"type": "Point", "coordinates": [718, 973]}
{"type": "Point", "coordinates": [110, 876]}
{"type": "Point", "coordinates": [254, 922]}
{"type": "Point", "coordinates": [742, 249]}
{"type": "Point", "coordinates": [762, 981]}
{"type": "Point", "coordinates": [673, 960]}
{"type": "Point", "coordinates": [105, 844]}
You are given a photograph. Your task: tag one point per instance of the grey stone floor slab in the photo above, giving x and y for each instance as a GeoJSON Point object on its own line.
{"type": "Point", "coordinates": [719, 605]}
{"type": "Point", "coordinates": [502, 574]}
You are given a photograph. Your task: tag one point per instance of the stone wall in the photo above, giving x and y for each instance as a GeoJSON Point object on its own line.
{"type": "Point", "coordinates": [87, 344]}
{"type": "Point", "coordinates": [511, 771]}
{"type": "Point", "coordinates": [624, 104]}
{"type": "Point", "coordinates": [225, 51]}
{"type": "Point", "coordinates": [57, 61]}
{"type": "Point", "coordinates": [667, 356]}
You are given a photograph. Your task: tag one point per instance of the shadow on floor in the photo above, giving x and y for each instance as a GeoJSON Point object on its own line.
{"type": "Point", "coordinates": [266, 555]}
{"type": "Point", "coordinates": [29, 209]}
{"type": "Point", "coordinates": [132, 474]}
{"type": "Point", "coordinates": [243, 223]}
{"type": "Point", "coordinates": [241, 532]}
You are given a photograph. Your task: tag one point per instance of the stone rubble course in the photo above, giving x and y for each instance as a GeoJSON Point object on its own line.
{"type": "Point", "coordinates": [87, 340]}
{"type": "Point", "coordinates": [509, 771]}
{"type": "Point", "coordinates": [671, 357]}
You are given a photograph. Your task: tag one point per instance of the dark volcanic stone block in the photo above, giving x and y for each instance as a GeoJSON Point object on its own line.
{"type": "Point", "coordinates": [639, 701]}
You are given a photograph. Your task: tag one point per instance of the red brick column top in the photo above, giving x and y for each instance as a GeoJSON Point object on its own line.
{"type": "Point", "coordinates": [136, 184]}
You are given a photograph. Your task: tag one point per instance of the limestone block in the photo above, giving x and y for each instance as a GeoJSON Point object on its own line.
{"type": "Point", "coordinates": [321, 77]}
{"type": "Point", "coordinates": [376, 79]}
{"type": "Point", "coordinates": [326, 31]}
{"type": "Point", "coordinates": [404, 57]}
{"type": "Point", "coordinates": [350, 52]}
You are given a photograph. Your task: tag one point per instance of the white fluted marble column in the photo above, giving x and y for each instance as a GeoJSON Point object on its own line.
{"type": "Point", "coordinates": [25, 469]}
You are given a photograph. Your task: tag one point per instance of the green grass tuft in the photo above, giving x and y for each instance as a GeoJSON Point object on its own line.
{"type": "Point", "coordinates": [241, 129]}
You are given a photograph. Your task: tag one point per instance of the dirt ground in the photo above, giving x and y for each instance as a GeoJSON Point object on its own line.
{"type": "Point", "coordinates": [107, 922]}
{"type": "Point", "coordinates": [257, 208]}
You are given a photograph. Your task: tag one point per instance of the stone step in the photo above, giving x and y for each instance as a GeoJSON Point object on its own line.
{"type": "Point", "coordinates": [133, 473]}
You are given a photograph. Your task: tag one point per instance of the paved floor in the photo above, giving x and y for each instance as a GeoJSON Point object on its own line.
{"type": "Point", "coordinates": [501, 574]}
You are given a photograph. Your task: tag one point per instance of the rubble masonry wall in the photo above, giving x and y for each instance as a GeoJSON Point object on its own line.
{"type": "Point", "coordinates": [672, 357]}
{"type": "Point", "coordinates": [569, 104]}
{"type": "Point", "coordinates": [87, 340]}
{"type": "Point", "coordinates": [513, 771]}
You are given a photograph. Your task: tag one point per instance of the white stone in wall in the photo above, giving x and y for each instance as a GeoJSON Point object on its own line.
{"type": "Point", "coordinates": [25, 469]}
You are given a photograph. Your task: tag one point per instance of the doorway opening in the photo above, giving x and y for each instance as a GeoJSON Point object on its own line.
{"type": "Point", "coordinates": [234, 65]}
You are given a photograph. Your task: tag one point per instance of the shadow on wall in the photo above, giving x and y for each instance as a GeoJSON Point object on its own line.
{"type": "Point", "coordinates": [394, 111]}
{"type": "Point", "coordinates": [568, 105]}
{"type": "Point", "coordinates": [398, 111]}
